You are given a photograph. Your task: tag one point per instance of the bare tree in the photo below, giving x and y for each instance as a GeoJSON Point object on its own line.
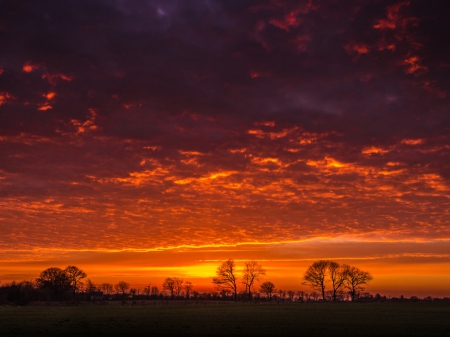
{"type": "Point", "coordinates": [122, 287]}
{"type": "Point", "coordinates": [224, 293]}
{"type": "Point", "coordinates": [178, 286]}
{"type": "Point", "coordinates": [355, 277]}
{"type": "Point", "coordinates": [300, 295]}
{"type": "Point", "coordinates": [174, 285]}
{"type": "Point", "coordinates": [90, 286]}
{"type": "Point", "coordinates": [314, 296]}
{"type": "Point", "coordinates": [267, 288]}
{"type": "Point", "coordinates": [281, 294]}
{"type": "Point", "coordinates": [188, 287]}
{"type": "Point", "coordinates": [252, 272]}
{"type": "Point", "coordinates": [225, 277]}
{"type": "Point", "coordinates": [329, 295]}
{"type": "Point", "coordinates": [107, 288]}
{"type": "Point", "coordinates": [74, 275]}
{"type": "Point", "coordinates": [147, 290]}
{"type": "Point", "coordinates": [338, 275]}
{"type": "Point", "coordinates": [291, 295]}
{"type": "Point", "coordinates": [169, 285]}
{"type": "Point", "coordinates": [155, 291]}
{"type": "Point", "coordinates": [315, 276]}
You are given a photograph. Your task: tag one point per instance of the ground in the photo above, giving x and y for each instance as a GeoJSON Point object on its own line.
{"type": "Point", "coordinates": [302, 319]}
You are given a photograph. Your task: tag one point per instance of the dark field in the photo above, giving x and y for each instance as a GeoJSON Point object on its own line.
{"type": "Point", "coordinates": [305, 319]}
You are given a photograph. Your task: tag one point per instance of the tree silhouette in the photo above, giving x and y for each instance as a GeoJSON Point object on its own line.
{"type": "Point", "coordinates": [267, 288]}
{"type": "Point", "coordinates": [54, 279]}
{"type": "Point", "coordinates": [188, 287]}
{"type": "Point", "coordinates": [147, 290]}
{"type": "Point", "coordinates": [291, 295]}
{"type": "Point", "coordinates": [224, 293]}
{"type": "Point", "coordinates": [315, 276]}
{"type": "Point", "coordinates": [169, 285]}
{"type": "Point", "coordinates": [300, 295]}
{"type": "Point", "coordinates": [74, 275]}
{"type": "Point", "coordinates": [155, 291]}
{"type": "Point", "coordinates": [252, 272]}
{"type": "Point", "coordinates": [314, 296]}
{"type": "Point", "coordinates": [90, 286]}
{"type": "Point", "coordinates": [122, 287]}
{"type": "Point", "coordinates": [355, 277]}
{"type": "Point", "coordinates": [338, 275]}
{"type": "Point", "coordinates": [344, 276]}
{"type": "Point", "coordinates": [178, 286]}
{"type": "Point", "coordinates": [225, 277]}
{"type": "Point", "coordinates": [173, 285]}
{"type": "Point", "coordinates": [107, 288]}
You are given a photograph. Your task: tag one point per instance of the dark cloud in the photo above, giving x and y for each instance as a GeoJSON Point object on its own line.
{"type": "Point", "coordinates": [280, 59]}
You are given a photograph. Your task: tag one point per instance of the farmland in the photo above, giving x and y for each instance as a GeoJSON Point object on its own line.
{"type": "Point", "coordinates": [160, 318]}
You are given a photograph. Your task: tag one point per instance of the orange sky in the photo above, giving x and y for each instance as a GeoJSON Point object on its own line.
{"type": "Point", "coordinates": [399, 268]}
{"type": "Point", "coordinates": [157, 139]}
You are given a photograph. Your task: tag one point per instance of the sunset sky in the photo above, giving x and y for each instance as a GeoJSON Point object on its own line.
{"type": "Point", "coordinates": [145, 139]}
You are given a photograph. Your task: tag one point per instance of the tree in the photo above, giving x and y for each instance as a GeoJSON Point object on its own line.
{"type": "Point", "coordinates": [225, 277]}
{"type": "Point", "coordinates": [291, 295]}
{"type": "Point", "coordinates": [54, 279]}
{"type": "Point", "coordinates": [301, 295]}
{"type": "Point", "coordinates": [74, 275]}
{"type": "Point", "coordinates": [338, 275]}
{"type": "Point", "coordinates": [122, 287]}
{"type": "Point", "coordinates": [267, 288]}
{"type": "Point", "coordinates": [147, 290]}
{"type": "Point", "coordinates": [314, 296]}
{"type": "Point", "coordinates": [224, 293]}
{"type": "Point", "coordinates": [173, 285]}
{"type": "Point", "coordinates": [169, 285]}
{"type": "Point", "coordinates": [315, 276]}
{"type": "Point", "coordinates": [252, 272]}
{"type": "Point", "coordinates": [355, 277]}
{"type": "Point", "coordinates": [22, 292]}
{"type": "Point", "coordinates": [188, 287]}
{"type": "Point", "coordinates": [107, 288]}
{"type": "Point", "coordinates": [155, 291]}
{"type": "Point", "coordinates": [178, 286]}
{"type": "Point", "coordinates": [90, 286]}
{"type": "Point", "coordinates": [281, 294]}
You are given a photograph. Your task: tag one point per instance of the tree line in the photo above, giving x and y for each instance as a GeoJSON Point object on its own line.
{"type": "Point", "coordinates": [339, 276]}
{"type": "Point", "coordinates": [331, 280]}
{"type": "Point", "coordinates": [316, 276]}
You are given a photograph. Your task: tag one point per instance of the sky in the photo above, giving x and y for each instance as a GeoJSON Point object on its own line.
{"type": "Point", "coordinates": [148, 139]}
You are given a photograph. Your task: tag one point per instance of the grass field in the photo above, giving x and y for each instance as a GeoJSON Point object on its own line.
{"type": "Point", "coordinates": [302, 319]}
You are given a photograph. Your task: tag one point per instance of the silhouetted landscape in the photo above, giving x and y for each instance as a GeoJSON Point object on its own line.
{"type": "Point", "coordinates": [60, 301]}
{"type": "Point", "coordinates": [72, 286]}
{"type": "Point", "coordinates": [224, 167]}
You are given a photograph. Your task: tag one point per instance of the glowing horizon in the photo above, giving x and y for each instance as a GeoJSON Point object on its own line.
{"type": "Point", "coordinates": [391, 269]}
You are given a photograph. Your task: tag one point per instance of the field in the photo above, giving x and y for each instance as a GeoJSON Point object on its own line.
{"type": "Point", "coordinates": [305, 319]}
